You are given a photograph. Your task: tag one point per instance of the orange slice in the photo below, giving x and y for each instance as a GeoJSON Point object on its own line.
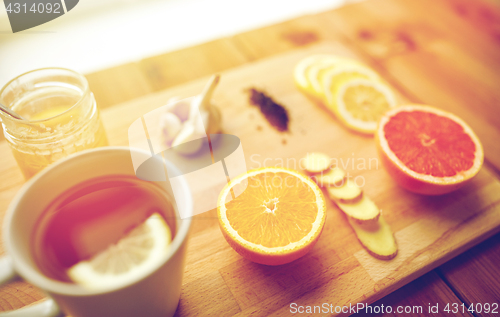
{"type": "Point", "coordinates": [277, 218]}
{"type": "Point", "coordinates": [427, 150]}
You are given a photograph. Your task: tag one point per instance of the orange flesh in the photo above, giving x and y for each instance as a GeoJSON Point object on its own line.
{"type": "Point", "coordinates": [430, 144]}
{"type": "Point", "coordinates": [275, 210]}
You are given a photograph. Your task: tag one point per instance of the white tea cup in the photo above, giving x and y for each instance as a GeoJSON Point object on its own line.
{"type": "Point", "coordinates": [155, 292]}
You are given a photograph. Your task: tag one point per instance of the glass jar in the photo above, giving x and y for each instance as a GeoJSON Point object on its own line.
{"type": "Point", "coordinates": [60, 117]}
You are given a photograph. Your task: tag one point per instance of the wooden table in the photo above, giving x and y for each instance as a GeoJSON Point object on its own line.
{"type": "Point", "coordinates": [439, 52]}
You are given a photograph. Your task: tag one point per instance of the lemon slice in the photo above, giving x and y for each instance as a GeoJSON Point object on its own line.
{"type": "Point", "coordinates": [301, 69]}
{"type": "Point", "coordinates": [316, 71]}
{"type": "Point", "coordinates": [139, 251]}
{"type": "Point", "coordinates": [360, 103]}
{"type": "Point", "coordinates": [332, 79]}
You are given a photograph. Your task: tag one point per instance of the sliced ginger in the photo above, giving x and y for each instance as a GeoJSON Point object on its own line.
{"type": "Point", "coordinates": [333, 177]}
{"type": "Point", "coordinates": [349, 193]}
{"type": "Point", "coordinates": [377, 238]}
{"type": "Point", "coordinates": [364, 216]}
{"type": "Point", "coordinates": [362, 211]}
{"type": "Point", "coordinates": [316, 162]}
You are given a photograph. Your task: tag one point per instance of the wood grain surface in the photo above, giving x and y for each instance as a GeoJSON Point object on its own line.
{"type": "Point", "coordinates": [417, 298]}
{"type": "Point", "coordinates": [444, 53]}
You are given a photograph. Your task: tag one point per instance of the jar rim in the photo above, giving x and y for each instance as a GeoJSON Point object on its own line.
{"type": "Point", "coordinates": [86, 90]}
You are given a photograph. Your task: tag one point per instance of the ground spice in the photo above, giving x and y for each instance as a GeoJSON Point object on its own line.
{"type": "Point", "coordinates": [275, 113]}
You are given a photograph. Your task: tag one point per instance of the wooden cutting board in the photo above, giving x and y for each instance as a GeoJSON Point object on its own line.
{"type": "Point", "coordinates": [338, 271]}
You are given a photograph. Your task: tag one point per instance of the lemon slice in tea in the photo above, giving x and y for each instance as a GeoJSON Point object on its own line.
{"type": "Point", "coordinates": [139, 251]}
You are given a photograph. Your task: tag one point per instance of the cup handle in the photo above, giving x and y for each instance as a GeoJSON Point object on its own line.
{"type": "Point", "coordinates": [7, 271]}
{"type": "Point", "coordinates": [47, 308]}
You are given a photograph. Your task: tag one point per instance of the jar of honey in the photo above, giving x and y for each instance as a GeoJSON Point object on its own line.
{"type": "Point", "coordinates": [59, 117]}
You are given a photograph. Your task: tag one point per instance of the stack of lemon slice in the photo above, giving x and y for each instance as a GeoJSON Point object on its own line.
{"type": "Point", "coordinates": [349, 89]}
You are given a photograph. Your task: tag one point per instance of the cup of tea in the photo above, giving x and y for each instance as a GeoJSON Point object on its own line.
{"type": "Point", "coordinates": [97, 239]}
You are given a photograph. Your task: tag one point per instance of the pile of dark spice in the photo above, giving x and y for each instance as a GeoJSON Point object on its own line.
{"type": "Point", "coordinates": [275, 113]}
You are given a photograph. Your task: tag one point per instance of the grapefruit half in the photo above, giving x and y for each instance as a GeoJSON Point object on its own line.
{"type": "Point", "coordinates": [427, 150]}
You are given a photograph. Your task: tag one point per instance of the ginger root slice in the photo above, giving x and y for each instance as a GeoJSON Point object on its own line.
{"type": "Point", "coordinates": [363, 215]}
{"type": "Point", "coordinates": [362, 211]}
{"type": "Point", "coordinates": [377, 238]}
{"type": "Point", "coordinates": [349, 193]}
{"type": "Point", "coordinates": [332, 177]}
{"type": "Point", "coordinates": [316, 162]}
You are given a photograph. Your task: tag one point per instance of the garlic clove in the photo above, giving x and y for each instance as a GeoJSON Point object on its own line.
{"type": "Point", "coordinates": [200, 122]}
{"type": "Point", "coordinates": [188, 141]}
{"type": "Point", "coordinates": [182, 110]}
{"type": "Point", "coordinates": [170, 127]}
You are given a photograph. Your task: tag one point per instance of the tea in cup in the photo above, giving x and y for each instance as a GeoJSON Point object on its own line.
{"type": "Point", "coordinates": [97, 239]}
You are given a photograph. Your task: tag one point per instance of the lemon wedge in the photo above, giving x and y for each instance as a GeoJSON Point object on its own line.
{"type": "Point", "coordinates": [121, 263]}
